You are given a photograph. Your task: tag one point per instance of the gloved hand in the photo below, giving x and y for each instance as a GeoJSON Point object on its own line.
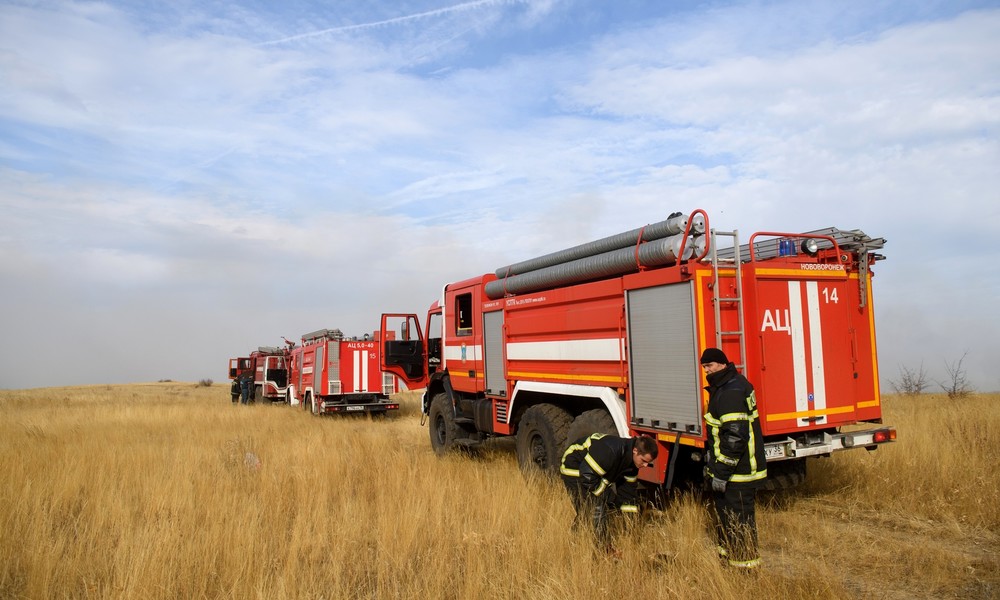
{"type": "Point", "coordinates": [719, 485]}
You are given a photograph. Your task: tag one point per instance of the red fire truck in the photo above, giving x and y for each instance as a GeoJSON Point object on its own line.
{"type": "Point", "coordinates": [331, 373]}
{"type": "Point", "coordinates": [270, 373]}
{"type": "Point", "coordinates": [606, 336]}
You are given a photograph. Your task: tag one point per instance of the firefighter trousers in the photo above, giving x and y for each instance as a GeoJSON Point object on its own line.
{"type": "Point", "coordinates": [588, 508]}
{"type": "Point", "coordinates": [736, 526]}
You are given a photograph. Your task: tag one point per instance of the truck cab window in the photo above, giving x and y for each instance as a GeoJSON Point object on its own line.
{"type": "Point", "coordinates": [463, 314]}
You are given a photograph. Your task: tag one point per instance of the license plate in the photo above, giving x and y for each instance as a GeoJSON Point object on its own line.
{"type": "Point", "coordinates": [354, 408]}
{"type": "Point", "coordinates": [774, 451]}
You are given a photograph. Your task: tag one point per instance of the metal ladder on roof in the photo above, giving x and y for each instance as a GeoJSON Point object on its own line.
{"type": "Point", "coordinates": [737, 300]}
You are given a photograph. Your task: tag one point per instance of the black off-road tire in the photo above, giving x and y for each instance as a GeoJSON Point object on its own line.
{"type": "Point", "coordinates": [541, 438]}
{"type": "Point", "coordinates": [784, 475]}
{"type": "Point", "coordinates": [444, 431]}
{"type": "Point", "coordinates": [598, 420]}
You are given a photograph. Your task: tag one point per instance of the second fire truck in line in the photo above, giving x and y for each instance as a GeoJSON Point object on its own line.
{"type": "Point", "coordinates": [330, 373]}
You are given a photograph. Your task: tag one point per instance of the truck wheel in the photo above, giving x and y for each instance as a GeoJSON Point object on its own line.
{"type": "Point", "coordinates": [597, 420]}
{"type": "Point", "coordinates": [258, 394]}
{"type": "Point", "coordinates": [784, 474]}
{"type": "Point", "coordinates": [541, 438]}
{"type": "Point", "coordinates": [443, 429]}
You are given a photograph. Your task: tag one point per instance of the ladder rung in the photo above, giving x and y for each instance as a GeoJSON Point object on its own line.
{"type": "Point", "coordinates": [738, 332]}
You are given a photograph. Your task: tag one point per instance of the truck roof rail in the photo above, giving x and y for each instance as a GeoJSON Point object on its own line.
{"type": "Point", "coordinates": [850, 239]}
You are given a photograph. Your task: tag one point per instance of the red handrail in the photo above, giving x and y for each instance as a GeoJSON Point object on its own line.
{"type": "Point", "coordinates": [687, 232]}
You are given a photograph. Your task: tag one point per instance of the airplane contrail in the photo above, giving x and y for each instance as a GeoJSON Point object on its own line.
{"type": "Point", "coordinates": [430, 13]}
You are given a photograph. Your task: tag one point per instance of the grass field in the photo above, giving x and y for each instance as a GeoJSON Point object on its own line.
{"type": "Point", "coordinates": [146, 491]}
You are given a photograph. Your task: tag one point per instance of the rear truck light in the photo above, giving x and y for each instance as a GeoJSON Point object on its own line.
{"type": "Point", "coordinates": [883, 435]}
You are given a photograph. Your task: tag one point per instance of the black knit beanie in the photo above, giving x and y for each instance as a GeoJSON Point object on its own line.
{"type": "Point", "coordinates": [714, 355]}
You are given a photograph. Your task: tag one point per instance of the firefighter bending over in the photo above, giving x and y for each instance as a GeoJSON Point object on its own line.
{"type": "Point", "coordinates": [736, 465]}
{"type": "Point", "coordinates": [591, 465]}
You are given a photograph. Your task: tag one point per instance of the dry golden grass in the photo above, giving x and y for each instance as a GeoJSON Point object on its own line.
{"type": "Point", "coordinates": [145, 491]}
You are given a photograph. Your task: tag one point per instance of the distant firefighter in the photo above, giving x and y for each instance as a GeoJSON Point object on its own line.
{"type": "Point", "coordinates": [246, 382]}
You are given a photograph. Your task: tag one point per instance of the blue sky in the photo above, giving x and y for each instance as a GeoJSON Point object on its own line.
{"type": "Point", "coordinates": [182, 182]}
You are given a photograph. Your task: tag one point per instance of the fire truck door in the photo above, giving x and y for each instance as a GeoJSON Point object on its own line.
{"type": "Point", "coordinates": [493, 353]}
{"type": "Point", "coordinates": [662, 357]}
{"type": "Point", "coordinates": [318, 371]}
{"type": "Point", "coordinates": [403, 353]}
{"type": "Point", "coordinates": [360, 369]}
{"type": "Point", "coordinates": [809, 364]}
{"type": "Point", "coordinates": [334, 378]}
{"type": "Point", "coordinates": [299, 383]}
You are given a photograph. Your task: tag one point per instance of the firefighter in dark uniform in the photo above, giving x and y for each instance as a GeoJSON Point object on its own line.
{"type": "Point", "coordinates": [591, 465]}
{"type": "Point", "coordinates": [246, 382]}
{"type": "Point", "coordinates": [736, 465]}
